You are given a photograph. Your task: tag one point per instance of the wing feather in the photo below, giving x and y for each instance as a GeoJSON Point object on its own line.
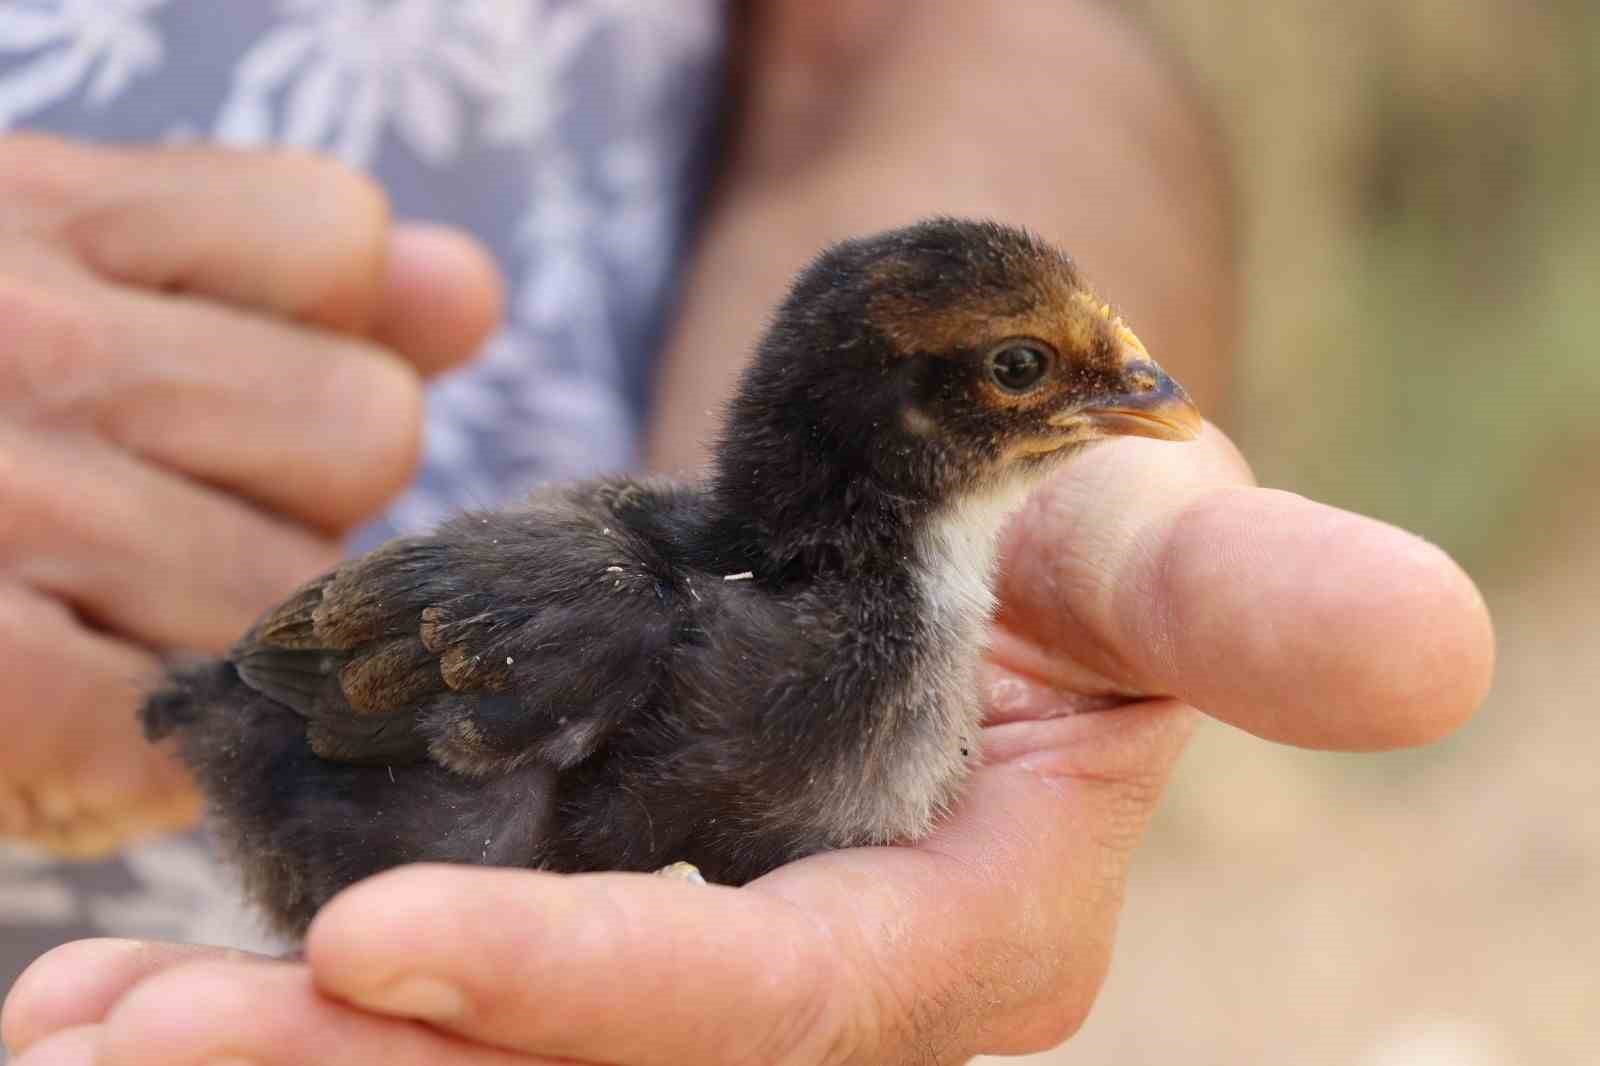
{"type": "Point", "coordinates": [504, 638]}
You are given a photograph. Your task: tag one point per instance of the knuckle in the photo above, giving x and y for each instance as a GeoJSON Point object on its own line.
{"type": "Point", "coordinates": [53, 364]}
{"type": "Point", "coordinates": [844, 1035]}
{"type": "Point", "coordinates": [13, 501]}
{"type": "Point", "coordinates": [50, 538]}
{"type": "Point", "coordinates": [33, 167]}
{"type": "Point", "coordinates": [334, 186]}
{"type": "Point", "coordinates": [27, 624]}
{"type": "Point", "coordinates": [157, 1016]}
{"type": "Point", "coordinates": [857, 1011]}
{"type": "Point", "coordinates": [889, 1025]}
{"type": "Point", "coordinates": [20, 503]}
{"type": "Point", "coordinates": [350, 214]}
{"type": "Point", "coordinates": [812, 1023]}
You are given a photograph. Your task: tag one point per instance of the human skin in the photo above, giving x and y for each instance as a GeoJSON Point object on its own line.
{"type": "Point", "coordinates": [1146, 581]}
{"type": "Point", "coordinates": [991, 936]}
{"type": "Point", "coordinates": [211, 369]}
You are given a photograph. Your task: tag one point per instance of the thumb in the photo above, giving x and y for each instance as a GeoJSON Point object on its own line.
{"type": "Point", "coordinates": [1054, 816]}
{"type": "Point", "coordinates": [1156, 569]}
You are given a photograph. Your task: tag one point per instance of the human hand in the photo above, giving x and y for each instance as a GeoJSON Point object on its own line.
{"type": "Point", "coordinates": [1145, 579]}
{"type": "Point", "coordinates": [209, 369]}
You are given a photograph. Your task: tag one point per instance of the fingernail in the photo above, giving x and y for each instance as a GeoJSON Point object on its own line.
{"type": "Point", "coordinates": [416, 997]}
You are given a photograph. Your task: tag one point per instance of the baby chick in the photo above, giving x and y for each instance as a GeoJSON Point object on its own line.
{"type": "Point", "coordinates": [623, 674]}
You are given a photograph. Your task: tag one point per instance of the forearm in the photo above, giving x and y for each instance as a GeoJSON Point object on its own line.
{"type": "Point", "coordinates": [855, 117]}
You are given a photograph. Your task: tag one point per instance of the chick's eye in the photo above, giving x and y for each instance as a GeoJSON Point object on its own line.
{"type": "Point", "coordinates": [1018, 367]}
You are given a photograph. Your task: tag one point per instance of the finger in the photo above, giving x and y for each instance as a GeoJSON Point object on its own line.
{"type": "Point", "coordinates": [1158, 570]}
{"type": "Point", "coordinates": [316, 427]}
{"type": "Point", "coordinates": [606, 967]}
{"type": "Point", "coordinates": [323, 428]}
{"type": "Point", "coordinates": [68, 1047]}
{"type": "Point", "coordinates": [268, 1014]}
{"type": "Point", "coordinates": [442, 297]}
{"type": "Point", "coordinates": [286, 233]}
{"type": "Point", "coordinates": [139, 551]}
{"type": "Point", "coordinates": [995, 934]}
{"type": "Point", "coordinates": [78, 783]}
{"type": "Point", "coordinates": [74, 987]}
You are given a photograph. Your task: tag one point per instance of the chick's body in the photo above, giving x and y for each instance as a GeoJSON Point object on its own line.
{"type": "Point", "coordinates": [572, 686]}
{"type": "Point", "coordinates": [625, 674]}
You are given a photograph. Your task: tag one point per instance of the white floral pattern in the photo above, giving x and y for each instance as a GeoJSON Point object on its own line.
{"type": "Point", "coordinates": [93, 46]}
{"type": "Point", "coordinates": [527, 96]}
{"type": "Point", "coordinates": [342, 72]}
{"type": "Point", "coordinates": [563, 132]}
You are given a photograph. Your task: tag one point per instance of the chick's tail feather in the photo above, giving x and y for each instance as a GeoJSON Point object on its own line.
{"type": "Point", "coordinates": [182, 700]}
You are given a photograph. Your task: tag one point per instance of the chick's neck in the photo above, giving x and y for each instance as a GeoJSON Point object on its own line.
{"type": "Point", "coordinates": [781, 502]}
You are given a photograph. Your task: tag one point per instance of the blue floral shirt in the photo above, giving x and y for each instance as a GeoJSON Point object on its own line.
{"type": "Point", "coordinates": [569, 135]}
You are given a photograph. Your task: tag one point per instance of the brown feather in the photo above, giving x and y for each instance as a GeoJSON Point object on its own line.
{"type": "Point", "coordinates": [398, 673]}
{"type": "Point", "coordinates": [467, 670]}
{"type": "Point", "coordinates": [291, 624]}
{"type": "Point", "coordinates": [358, 605]}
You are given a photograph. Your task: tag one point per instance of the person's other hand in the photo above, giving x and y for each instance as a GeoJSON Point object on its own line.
{"type": "Point", "coordinates": [1147, 579]}
{"type": "Point", "coordinates": [209, 369]}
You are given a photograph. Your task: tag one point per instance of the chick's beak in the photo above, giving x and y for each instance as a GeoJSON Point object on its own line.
{"type": "Point", "coordinates": [1146, 402]}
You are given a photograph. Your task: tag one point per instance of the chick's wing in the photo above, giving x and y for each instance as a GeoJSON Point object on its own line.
{"type": "Point", "coordinates": [503, 638]}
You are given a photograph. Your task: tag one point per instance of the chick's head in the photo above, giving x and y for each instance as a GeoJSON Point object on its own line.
{"type": "Point", "coordinates": [946, 358]}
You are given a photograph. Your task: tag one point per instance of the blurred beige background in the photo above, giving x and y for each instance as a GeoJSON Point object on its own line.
{"type": "Point", "coordinates": [1420, 194]}
{"type": "Point", "coordinates": [1420, 199]}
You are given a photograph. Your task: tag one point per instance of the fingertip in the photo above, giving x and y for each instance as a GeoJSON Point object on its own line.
{"type": "Point", "coordinates": [1405, 639]}
{"type": "Point", "coordinates": [72, 985]}
{"type": "Point", "coordinates": [1443, 641]}
{"type": "Point", "coordinates": [1315, 626]}
{"type": "Point", "coordinates": [443, 296]}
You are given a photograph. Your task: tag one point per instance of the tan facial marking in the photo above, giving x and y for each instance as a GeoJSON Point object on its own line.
{"type": "Point", "coordinates": [1124, 336]}
{"type": "Point", "coordinates": [1059, 312]}
{"type": "Point", "coordinates": [915, 326]}
{"type": "Point", "coordinates": [918, 422]}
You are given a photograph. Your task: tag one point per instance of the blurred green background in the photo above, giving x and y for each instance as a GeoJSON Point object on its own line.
{"type": "Point", "coordinates": [1419, 189]}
